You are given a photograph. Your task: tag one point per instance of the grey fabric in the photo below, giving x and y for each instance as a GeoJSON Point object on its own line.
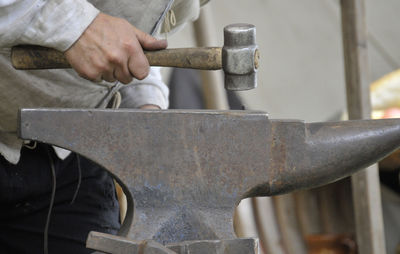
{"type": "Point", "coordinates": [144, 14]}
{"type": "Point", "coordinates": [63, 88]}
{"type": "Point", "coordinates": [34, 89]}
{"type": "Point", "coordinates": [182, 12]}
{"type": "Point", "coordinates": [203, 2]}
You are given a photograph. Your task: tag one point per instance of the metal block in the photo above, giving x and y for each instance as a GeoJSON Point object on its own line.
{"type": "Point", "coordinates": [184, 172]}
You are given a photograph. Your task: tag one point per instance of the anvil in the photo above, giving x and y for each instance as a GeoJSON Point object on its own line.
{"type": "Point", "coordinates": [184, 172]}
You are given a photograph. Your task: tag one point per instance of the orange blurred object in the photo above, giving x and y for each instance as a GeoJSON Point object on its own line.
{"type": "Point", "coordinates": [391, 113]}
{"type": "Point", "coordinates": [331, 244]}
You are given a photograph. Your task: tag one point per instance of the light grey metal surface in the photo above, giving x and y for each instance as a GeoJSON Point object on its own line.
{"type": "Point", "coordinates": [120, 245]}
{"type": "Point", "coordinates": [187, 170]}
{"type": "Point", "coordinates": [240, 57]}
{"type": "Point", "coordinates": [235, 246]}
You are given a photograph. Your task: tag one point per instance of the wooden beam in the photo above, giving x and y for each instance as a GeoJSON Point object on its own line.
{"type": "Point", "coordinates": [214, 93]}
{"type": "Point", "coordinates": [365, 184]}
{"type": "Point", "coordinates": [285, 212]}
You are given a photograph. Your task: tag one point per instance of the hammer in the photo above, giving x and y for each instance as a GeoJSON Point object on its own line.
{"type": "Point", "coordinates": [239, 57]}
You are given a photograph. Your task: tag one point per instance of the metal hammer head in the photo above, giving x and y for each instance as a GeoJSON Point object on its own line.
{"type": "Point", "coordinates": [240, 57]}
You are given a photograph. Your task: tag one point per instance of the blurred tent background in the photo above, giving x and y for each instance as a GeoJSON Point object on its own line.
{"type": "Point", "coordinates": [301, 76]}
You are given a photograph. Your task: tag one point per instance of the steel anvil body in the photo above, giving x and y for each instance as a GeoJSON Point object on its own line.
{"type": "Point", "coordinates": [184, 172]}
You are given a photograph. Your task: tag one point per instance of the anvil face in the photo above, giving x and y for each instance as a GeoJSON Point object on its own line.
{"type": "Point", "coordinates": [185, 171]}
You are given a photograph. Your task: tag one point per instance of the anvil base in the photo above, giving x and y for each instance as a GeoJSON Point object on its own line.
{"type": "Point", "coordinates": [121, 245]}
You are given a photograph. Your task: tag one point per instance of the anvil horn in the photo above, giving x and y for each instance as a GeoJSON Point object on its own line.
{"type": "Point", "coordinates": [321, 153]}
{"type": "Point", "coordinates": [185, 171]}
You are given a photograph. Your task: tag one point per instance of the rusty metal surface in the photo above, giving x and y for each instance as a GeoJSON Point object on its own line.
{"type": "Point", "coordinates": [187, 170]}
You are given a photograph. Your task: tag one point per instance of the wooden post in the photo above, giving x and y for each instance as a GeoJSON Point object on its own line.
{"type": "Point", "coordinates": [365, 184]}
{"type": "Point", "coordinates": [212, 81]}
{"type": "Point", "coordinates": [267, 226]}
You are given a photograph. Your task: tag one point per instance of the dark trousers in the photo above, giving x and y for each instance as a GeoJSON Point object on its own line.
{"type": "Point", "coordinates": [25, 191]}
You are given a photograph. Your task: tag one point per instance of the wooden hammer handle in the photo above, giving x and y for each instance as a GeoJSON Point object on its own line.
{"type": "Point", "coordinates": [29, 57]}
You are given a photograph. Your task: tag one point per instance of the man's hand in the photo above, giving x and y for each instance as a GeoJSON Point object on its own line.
{"type": "Point", "coordinates": [112, 49]}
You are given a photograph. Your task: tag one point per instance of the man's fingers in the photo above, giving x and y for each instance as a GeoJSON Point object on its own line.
{"type": "Point", "coordinates": [109, 76]}
{"type": "Point", "coordinates": [112, 49]}
{"type": "Point", "coordinates": [139, 66]}
{"type": "Point", "coordinates": [149, 42]}
{"type": "Point", "coordinates": [155, 44]}
{"type": "Point", "coordinates": [123, 75]}
{"type": "Point", "coordinates": [150, 106]}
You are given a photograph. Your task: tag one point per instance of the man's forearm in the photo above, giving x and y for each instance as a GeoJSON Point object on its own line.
{"type": "Point", "coordinates": [56, 23]}
{"type": "Point", "coordinates": [98, 46]}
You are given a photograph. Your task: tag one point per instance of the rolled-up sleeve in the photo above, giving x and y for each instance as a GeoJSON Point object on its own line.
{"type": "Point", "coordinates": [51, 23]}
{"type": "Point", "coordinates": [149, 91]}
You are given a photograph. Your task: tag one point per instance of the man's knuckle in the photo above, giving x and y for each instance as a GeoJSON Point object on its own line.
{"type": "Point", "coordinates": [129, 46]}
{"type": "Point", "coordinates": [113, 57]}
{"type": "Point", "coordinates": [124, 22]}
{"type": "Point", "coordinates": [91, 75]}
{"type": "Point", "coordinates": [101, 67]}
